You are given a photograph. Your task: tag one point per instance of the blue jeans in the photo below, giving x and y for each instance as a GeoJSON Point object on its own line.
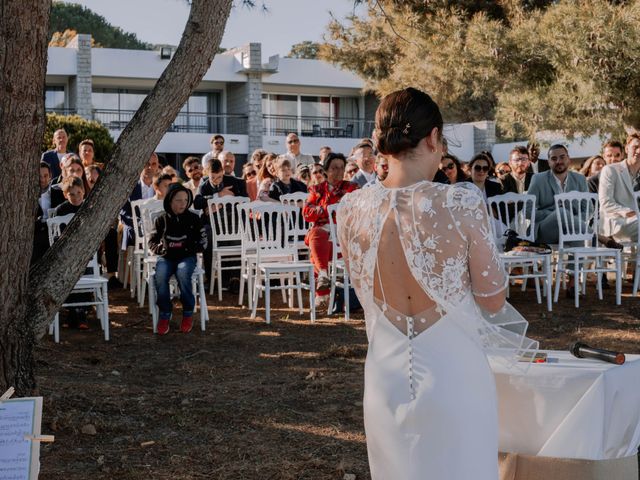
{"type": "Point", "coordinates": [183, 270]}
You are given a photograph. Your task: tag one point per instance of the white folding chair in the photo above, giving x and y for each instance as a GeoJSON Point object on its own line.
{"type": "Point", "coordinates": [276, 259]}
{"type": "Point", "coordinates": [577, 216]}
{"type": "Point", "coordinates": [634, 254]}
{"type": "Point", "coordinates": [517, 212]}
{"type": "Point", "coordinates": [149, 210]}
{"type": "Point", "coordinates": [299, 226]}
{"type": "Point", "coordinates": [197, 279]}
{"type": "Point", "coordinates": [226, 237]}
{"type": "Point", "coordinates": [337, 263]}
{"type": "Point", "coordinates": [90, 283]}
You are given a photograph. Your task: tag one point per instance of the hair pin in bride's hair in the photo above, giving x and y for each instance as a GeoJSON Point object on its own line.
{"type": "Point", "coordinates": [406, 129]}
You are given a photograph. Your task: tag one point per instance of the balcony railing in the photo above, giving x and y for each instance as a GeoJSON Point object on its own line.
{"type": "Point", "coordinates": [317, 126]}
{"type": "Point", "coordinates": [184, 122]}
{"type": "Point", "coordinates": [62, 111]}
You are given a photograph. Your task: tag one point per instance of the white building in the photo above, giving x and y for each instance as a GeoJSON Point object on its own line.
{"type": "Point", "coordinates": [251, 103]}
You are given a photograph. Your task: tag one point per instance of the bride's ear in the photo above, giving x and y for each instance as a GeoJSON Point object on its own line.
{"type": "Point", "coordinates": [434, 140]}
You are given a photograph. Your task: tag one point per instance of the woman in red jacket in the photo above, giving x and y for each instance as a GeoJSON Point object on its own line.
{"type": "Point", "coordinates": [315, 211]}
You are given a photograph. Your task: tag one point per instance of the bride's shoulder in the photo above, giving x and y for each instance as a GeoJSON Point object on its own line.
{"type": "Point", "coordinates": [463, 196]}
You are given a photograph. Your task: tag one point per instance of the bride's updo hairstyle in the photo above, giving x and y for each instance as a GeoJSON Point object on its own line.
{"type": "Point", "coordinates": [403, 118]}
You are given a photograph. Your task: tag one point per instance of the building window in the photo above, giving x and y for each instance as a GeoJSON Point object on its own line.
{"type": "Point", "coordinates": [311, 115]}
{"type": "Point", "coordinates": [54, 99]}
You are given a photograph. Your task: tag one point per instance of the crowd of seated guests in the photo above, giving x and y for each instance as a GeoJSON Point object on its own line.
{"type": "Point", "coordinates": [614, 174]}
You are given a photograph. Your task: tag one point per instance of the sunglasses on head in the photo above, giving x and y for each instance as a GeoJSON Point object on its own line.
{"type": "Point", "coordinates": [480, 168]}
{"type": "Point", "coordinates": [503, 172]}
{"type": "Point", "coordinates": [449, 166]}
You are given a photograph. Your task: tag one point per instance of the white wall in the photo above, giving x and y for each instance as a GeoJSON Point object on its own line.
{"type": "Point", "coordinates": [460, 140]}
{"type": "Point", "coordinates": [178, 142]}
{"type": "Point", "coordinates": [61, 61]}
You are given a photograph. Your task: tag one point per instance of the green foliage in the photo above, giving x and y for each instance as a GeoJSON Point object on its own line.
{"type": "Point", "coordinates": [78, 129]}
{"type": "Point", "coordinates": [532, 65]}
{"type": "Point", "coordinates": [66, 16]}
{"type": "Point", "coordinates": [306, 49]}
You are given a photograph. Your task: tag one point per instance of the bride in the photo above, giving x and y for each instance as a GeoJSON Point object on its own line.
{"type": "Point", "coordinates": [422, 259]}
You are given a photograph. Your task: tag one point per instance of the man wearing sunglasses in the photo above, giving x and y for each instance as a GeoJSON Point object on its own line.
{"type": "Point", "coordinates": [217, 146]}
{"type": "Point", "coordinates": [293, 152]}
{"type": "Point", "coordinates": [382, 170]}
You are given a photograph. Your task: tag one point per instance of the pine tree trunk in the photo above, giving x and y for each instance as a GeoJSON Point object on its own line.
{"type": "Point", "coordinates": [23, 59]}
{"type": "Point", "coordinates": [53, 277]}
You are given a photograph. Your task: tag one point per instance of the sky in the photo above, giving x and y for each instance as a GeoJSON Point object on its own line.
{"type": "Point", "coordinates": [285, 23]}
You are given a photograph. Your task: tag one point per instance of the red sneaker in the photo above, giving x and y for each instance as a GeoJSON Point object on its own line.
{"type": "Point", "coordinates": [186, 325]}
{"type": "Point", "coordinates": [163, 327]}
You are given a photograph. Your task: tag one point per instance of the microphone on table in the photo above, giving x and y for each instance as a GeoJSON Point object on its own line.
{"type": "Point", "coordinates": [582, 350]}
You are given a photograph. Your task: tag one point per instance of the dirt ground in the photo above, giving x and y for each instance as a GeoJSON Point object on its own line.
{"type": "Point", "coordinates": [243, 400]}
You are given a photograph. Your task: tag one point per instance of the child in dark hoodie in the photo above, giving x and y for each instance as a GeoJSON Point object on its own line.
{"type": "Point", "coordinates": [177, 238]}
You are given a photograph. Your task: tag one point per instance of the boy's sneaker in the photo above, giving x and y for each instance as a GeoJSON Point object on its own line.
{"type": "Point", "coordinates": [187, 324]}
{"type": "Point", "coordinates": [81, 315]}
{"type": "Point", "coordinates": [163, 326]}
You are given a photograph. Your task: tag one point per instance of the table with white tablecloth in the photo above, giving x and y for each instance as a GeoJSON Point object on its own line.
{"type": "Point", "coordinates": [584, 411]}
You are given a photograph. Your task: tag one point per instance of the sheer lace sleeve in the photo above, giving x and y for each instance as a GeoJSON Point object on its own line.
{"type": "Point", "coordinates": [487, 277]}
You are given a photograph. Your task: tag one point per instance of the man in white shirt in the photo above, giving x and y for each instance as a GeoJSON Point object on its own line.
{"type": "Point", "coordinates": [618, 182]}
{"type": "Point", "coordinates": [228, 160]}
{"type": "Point", "coordinates": [217, 145]}
{"type": "Point", "coordinates": [193, 171]}
{"type": "Point", "coordinates": [366, 160]}
{"type": "Point", "coordinates": [293, 152]}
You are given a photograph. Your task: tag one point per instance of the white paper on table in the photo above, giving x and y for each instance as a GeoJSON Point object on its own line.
{"type": "Point", "coordinates": [20, 421]}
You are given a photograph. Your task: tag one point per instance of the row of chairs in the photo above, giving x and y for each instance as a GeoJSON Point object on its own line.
{"type": "Point", "coordinates": [576, 253]}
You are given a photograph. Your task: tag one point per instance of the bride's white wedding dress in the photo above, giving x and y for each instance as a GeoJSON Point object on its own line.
{"type": "Point", "coordinates": [429, 403]}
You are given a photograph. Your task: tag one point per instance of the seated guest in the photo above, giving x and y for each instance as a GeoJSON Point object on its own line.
{"type": "Point", "coordinates": [177, 238]}
{"type": "Point", "coordinates": [315, 210]}
{"type": "Point", "coordinates": [173, 174]}
{"type": "Point", "coordinates": [284, 183]}
{"type": "Point", "coordinates": [450, 166]}
{"type": "Point", "coordinates": [618, 182]}
{"type": "Point", "coordinates": [193, 171]}
{"type": "Point", "coordinates": [142, 190]}
{"type": "Point", "coordinates": [366, 160]}
{"type": "Point", "coordinates": [303, 173]}
{"type": "Point", "coordinates": [592, 166]}
{"type": "Point", "coordinates": [350, 170]}
{"type": "Point", "coordinates": [520, 177]}
{"type": "Point", "coordinates": [216, 185]}
{"type": "Point", "coordinates": [382, 170]}
{"type": "Point", "coordinates": [161, 185]}
{"type": "Point", "coordinates": [86, 150]}
{"type": "Point", "coordinates": [266, 176]}
{"type": "Point", "coordinates": [71, 167]}
{"type": "Point", "coordinates": [92, 172]}
{"type": "Point", "coordinates": [480, 167]}
{"type": "Point", "coordinates": [73, 189]}
{"type": "Point", "coordinates": [54, 157]}
{"type": "Point", "coordinates": [502, 170]}
{"type": "Point", "coordinates": [257, 159]}
{"type": "Point", "coordinates": [536, 165]}
{"type": "Point", "coordinates": [318, 175]}
{"type": "Point", "coordinates": [228, 160]}
{"type": "Point", "coordinates": [550, 183]}
{"type": "Point", "coordinates": [612, 152]}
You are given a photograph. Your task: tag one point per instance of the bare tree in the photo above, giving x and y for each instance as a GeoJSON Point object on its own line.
{"type": "Point", "coordinates": [29, 298]}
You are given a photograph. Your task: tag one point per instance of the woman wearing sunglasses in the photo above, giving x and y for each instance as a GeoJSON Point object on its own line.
{"type": "Point", "coordinates": [450, 165]}
{"type": "Point", "coordinates": [480, 166]}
